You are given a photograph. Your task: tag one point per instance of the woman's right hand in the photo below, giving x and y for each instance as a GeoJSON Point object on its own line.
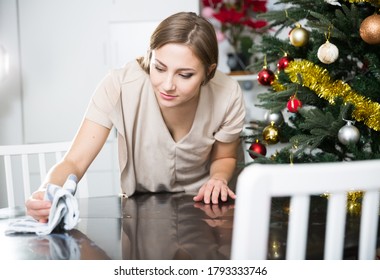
{"type": "Point", "coordinates": [37, 207]}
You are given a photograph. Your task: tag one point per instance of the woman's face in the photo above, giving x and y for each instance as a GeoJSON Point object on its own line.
{"type": "Point", "coordinates": [176, 75]}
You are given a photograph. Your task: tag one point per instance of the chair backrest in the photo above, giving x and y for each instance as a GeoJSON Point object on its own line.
{"type": "Point", "coordinates": [23, 163]}
{"type": "Point", "coordinates": [259, 183]}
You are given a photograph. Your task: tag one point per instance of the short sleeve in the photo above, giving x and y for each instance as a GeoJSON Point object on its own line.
{"type": "Point", "coordinates": [103, 101]}
{"type": "Point", "coordinates": [233, 122]}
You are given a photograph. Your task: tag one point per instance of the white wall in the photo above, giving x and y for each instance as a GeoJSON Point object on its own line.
{"type": "Point", "coordinates": [10, 87]}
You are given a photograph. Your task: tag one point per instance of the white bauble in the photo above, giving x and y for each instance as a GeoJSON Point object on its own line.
{"type": "Point", "coordinates": [328, 53]}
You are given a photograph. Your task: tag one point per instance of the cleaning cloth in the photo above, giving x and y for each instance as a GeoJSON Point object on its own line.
{"type": "Point", "coordinates": [64, 212]}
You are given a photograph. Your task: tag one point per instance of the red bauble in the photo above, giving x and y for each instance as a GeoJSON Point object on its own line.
{"type": "Point", "coordinates": [265, 77]}
{"type": "Point", "coordinates": [284, 62]}
{"type": "Point", "coordinates": [257, 147]}
{"type": "Point", "coordinates": [294, 104]}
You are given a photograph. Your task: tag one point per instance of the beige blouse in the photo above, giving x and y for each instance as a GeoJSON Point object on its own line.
{"type": "Point", "coordinates": [149, 159]}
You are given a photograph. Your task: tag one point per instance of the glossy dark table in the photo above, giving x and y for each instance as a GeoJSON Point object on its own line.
{"type": "Point", "coordinates": [159, 226]}
{"type": "Point", "coordinates": [163, 227]}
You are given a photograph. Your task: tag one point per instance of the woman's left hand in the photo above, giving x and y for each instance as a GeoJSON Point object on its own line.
{"type": "Point", "coordinates": [214, 189]}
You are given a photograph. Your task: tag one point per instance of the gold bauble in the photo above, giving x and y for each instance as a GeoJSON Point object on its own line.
{"type": "Point", "coordinates": [370, 30]}
{"type": "Point", "coordinates": [299, 36]}
{"type": "Point", "coordinates": [270, 134]}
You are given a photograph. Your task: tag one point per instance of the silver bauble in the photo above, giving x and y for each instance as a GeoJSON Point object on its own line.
{"type": "Point", "coordinates": [275, 117]}
{"type": "Point", "coordinates": [348, 134]}
{"type": "Point", "coordinates": [247, 85]}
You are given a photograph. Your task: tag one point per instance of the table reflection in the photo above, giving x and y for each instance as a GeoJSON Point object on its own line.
{"type": "Point", "coordinates": [168, 226]}
{"type": "Point", "coordinates": [55, 246]}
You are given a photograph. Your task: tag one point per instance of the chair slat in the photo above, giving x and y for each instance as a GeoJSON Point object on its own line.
{"type": "Point", "coordinates": [335, 226]}
{"type": "Point", "coordinates": [25, 175]}
{"type": "Point", "coordinates": [42, 165]}
{"type": "Point", "coordinates": [9, 181]}
{"type": "Point", "coordinates": [58, 156]}
{"type": "Point", "coordinates": [368, 225]}
{"type": "Point", "coordinates": [298, 224]}
{"type": "Point", "coordinates": [257, 225]}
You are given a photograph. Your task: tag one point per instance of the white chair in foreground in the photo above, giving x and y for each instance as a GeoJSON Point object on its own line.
{"type": "Point", "coordinates": [258, 183]}
{"type": "Point", "coordinates": [18, 163]}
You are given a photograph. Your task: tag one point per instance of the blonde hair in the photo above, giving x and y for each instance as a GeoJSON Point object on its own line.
{"type": "Point", "coordinates": [189, 29]}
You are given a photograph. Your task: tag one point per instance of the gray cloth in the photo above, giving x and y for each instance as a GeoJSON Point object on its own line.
{"type": "Point", "coordinates": [64, 212]}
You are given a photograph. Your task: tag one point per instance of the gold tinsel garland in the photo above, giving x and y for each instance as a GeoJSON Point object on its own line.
{"type": "Point", "coordinates": [376, 2]}
{"type": "Point", "coordinates": [318, 79]}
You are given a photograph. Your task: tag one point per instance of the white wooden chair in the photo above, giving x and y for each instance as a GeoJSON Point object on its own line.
{"type": "Point", "coordinates": [258, 183]}
{"type": "Point", "coordinates": [23, 163]}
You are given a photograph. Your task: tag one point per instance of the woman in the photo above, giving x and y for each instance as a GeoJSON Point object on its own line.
{"type": "Point", "coordinates": [178, 119]}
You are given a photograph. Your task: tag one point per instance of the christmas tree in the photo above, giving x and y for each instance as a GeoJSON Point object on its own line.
{"type": "Point", "coordinates": [324, 77]}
